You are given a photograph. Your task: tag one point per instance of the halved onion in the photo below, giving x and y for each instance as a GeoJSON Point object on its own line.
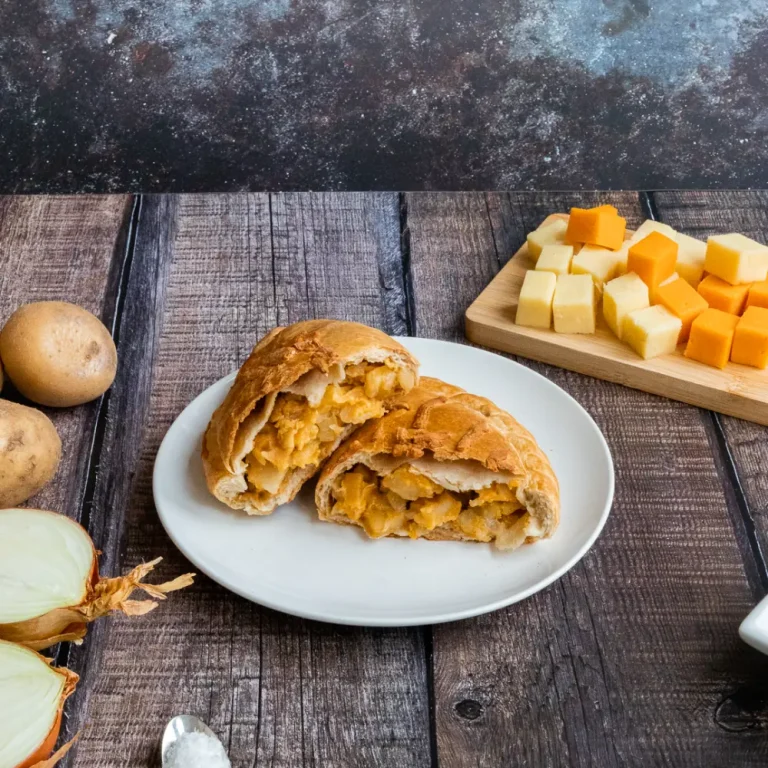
{"type": "Point", "coordinates": [32, 694]}
{"type": "Point", "coordinates": [49, 580]}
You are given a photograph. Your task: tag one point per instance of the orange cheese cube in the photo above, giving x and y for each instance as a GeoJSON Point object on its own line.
{"type": "Point", "coordinates": [683, 302]}
{"type": "Point", "coordinates": [712, 337]}
{"type": "Point", "coordinates": [671, 279]}
{"type": "Point", "coordinates": [723, 296]}
{"type": "Point", "coordinates": [758, 294]}
{"type": "Point", "coordinates": [653, 259]}
{"type": "Point", "coordinates": [750, 342]}
{"type": "Point", "coordinates": [596, 226]}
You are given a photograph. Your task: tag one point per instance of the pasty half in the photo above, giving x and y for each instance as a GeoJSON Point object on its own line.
{"type": "Point", "coordinates": [443, 464]}
{"type": "Point", "coordinates": [301, 392]}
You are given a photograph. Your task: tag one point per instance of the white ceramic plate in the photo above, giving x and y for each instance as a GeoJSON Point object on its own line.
{"type": "Point", "coordinates": [294, 563]}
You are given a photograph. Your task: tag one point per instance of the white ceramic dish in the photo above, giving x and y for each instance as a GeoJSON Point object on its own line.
{"type": "Point", "coordinates": [292, 562]}
{"type": "Point", "coordinates": [754, 629]}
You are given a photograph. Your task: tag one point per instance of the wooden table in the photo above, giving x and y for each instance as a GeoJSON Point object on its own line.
{"type": "Point", "coordinates": [631, 659]}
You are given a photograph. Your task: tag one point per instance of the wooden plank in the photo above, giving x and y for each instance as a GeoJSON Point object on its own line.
{"type": "Point", "coordinates": [209, 276]}
{"type": "Point", "coordinates": [63, 248]}
{"type": "Point", "coordinates": [702, 214]}
{"type": "Point", "coordinates": [490, 321]}
{"type": "Point", "coordinates": [613, 664]}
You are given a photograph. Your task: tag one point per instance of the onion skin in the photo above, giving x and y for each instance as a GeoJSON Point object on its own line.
{"type": "Point", "coordinates": [57, 626]}
{"type": "Point", "coordinates": [49, 762]}
{"type": "Point", "coordinates": [45, 749]}
{"type": "Point", "coordinates": [102, 596]}
{"type": "Point", "coordinates": [40, 757]}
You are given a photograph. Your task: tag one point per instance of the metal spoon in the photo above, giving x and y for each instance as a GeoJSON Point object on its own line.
{"type": "Point", "coordinates": [180, 725]}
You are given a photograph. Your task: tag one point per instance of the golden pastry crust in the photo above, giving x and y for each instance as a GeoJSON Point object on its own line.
{"type": "Point", "coordinates": [446, 423]}
{"type": "Point", "coordinates": [277, 362]}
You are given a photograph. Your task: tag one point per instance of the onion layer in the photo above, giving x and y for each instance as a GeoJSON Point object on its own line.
{"type": "Point", "coordinates": [32, 694]}
{"type": "Point", "coordinates": [50, 588]}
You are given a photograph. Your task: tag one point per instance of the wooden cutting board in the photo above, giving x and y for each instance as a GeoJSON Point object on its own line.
{"type": "Point", "coordinates": [737, 390]}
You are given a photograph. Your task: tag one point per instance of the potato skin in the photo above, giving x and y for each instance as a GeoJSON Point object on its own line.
{"type": "Point", "coordinates": [58, 354]}
{"type": "Point", "coordinates": [30, 450]}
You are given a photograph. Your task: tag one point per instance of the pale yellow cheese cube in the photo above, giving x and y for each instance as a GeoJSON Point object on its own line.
{"type": "Point", "coordinates": [736, 259]}
{"type": "Point", "coordinates": [574, 304]}
{"type": "Point", "coordinates": [548, 234]}
{"type": "Point", "coordinates": [649, 226]}
{"type": "Point", "coordinates": [623, 295]}
{"type": "Point", "coordinates": [690, 259]}
{"type": "Point", "coordinates": [622, 255]}
{"type": "Point", "coordinates": [534, 306]}
{"type": "Point", "coordinates": [651, 331]}
{"type": "Point", "coordinates": [601, 263]}
{"type": "Point", "coordinates": [555, 259]}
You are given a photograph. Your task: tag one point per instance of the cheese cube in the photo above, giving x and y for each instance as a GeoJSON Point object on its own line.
{"type": "Point", "coordinates": [653, 258]}
{"type": "Point", "coordinates": [683, 302]}
{"type": "Point", "coordinates": [736, 259]}
{"type": "Point", "coordinates": [648, 226]}
{"type": "Point", "coordinates": [651, 332]}
{"type": "Point", "coordinates": [547, 234]}
{"type": "Point", "coordinates": [758, 294]}
{"type": "Point", "coordinates": [723, 296]}
{"type": "Point", "coordinates": [596, 226]}
{"type": "Point", "coordinates": [574, 304]}
{"type": "Point", "coordinates": [712, 337]}
{"type": "Point", "coordinates": [555, 259]}
{"type": "Point", "coordinates": [654, 293]}
{"type": "Point", "coordinates": [534, 306]}
{"type": "Point", "coordinates": [690, 259]}
{"type": "Point", "coordinates": [750, 340]}
{"type": "Point", "coordinates": [622, 256]}
{"type": "Point", "coordinates": [600, 263]}
{"type": "Point", "coordinates": [623, 295]}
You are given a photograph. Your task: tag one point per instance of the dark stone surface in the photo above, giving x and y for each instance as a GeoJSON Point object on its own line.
{"type": "Point", "coordinates": [107, 95]}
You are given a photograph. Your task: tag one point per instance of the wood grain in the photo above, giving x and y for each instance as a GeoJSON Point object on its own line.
{"type": "Point", "coordinates": [210, 274]}
{"type": "Point", "coordinates": [629, 658]}
{"type": "Point", "coordinates": [62, 248]}
{"type": "Point", "coordinates": [702, 214]}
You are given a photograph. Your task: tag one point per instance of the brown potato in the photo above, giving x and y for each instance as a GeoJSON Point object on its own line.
{"type": "Point", "coordinates": [57, 353]}
{"type": "Point", "coordinates": [30, 450]}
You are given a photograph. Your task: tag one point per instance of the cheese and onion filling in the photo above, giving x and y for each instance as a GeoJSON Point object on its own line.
{"type": "Point", "coordinates": [302, 430]}
{"type": "Point", "coordinates": [408, 503]}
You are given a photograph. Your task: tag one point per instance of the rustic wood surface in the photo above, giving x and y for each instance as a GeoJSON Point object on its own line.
{"type": "Point", "coordinates": [604, 667]}
{"type": "Point", "coordinates": [631, 659]}
{"type": "Point", "coordinates": [746, 446]}
{"type": "Point", "coordinates": [209, 280]}
{"type": "Point", "coordinates": [54, 247]}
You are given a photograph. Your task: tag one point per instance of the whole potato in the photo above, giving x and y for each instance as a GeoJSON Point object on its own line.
{"type": "Point", "coordinates": [57, 353]}
{"type": "Point", "coordinates": [30, 450]}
